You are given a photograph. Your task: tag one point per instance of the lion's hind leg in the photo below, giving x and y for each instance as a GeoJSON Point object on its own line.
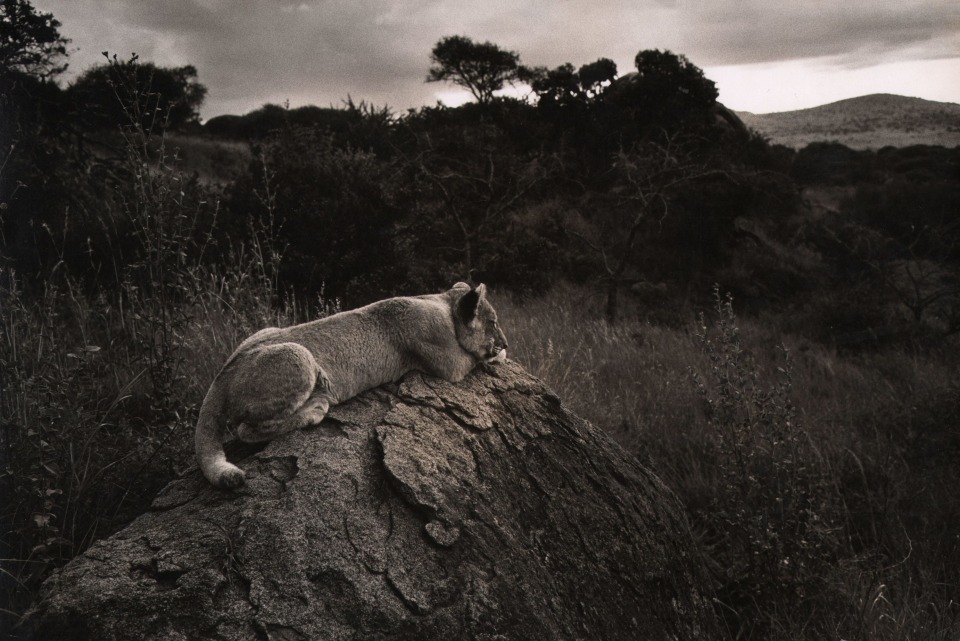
{"type": "Point", "coordinates": [310, 413]}
{"type": "Point", "coordinates": [279, 393]}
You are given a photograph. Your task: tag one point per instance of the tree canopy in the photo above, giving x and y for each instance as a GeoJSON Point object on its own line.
{"type": "Point", "coordinates": [30, 41]}
{"type": "Point", "coordinates": [480, 68]}
{"type": "Point", "coordinates": [666, 89]}
{"type": "Point", "coordinates": [566, 86]}
{"type": "Point", "coordinates": [123, 92]}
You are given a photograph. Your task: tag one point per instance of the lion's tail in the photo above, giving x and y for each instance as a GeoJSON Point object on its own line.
{"type": "Point", "coordinates": [208, 441]}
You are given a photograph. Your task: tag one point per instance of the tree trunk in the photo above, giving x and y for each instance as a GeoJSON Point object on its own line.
{"type": "Point", "coordinates": [426, 510]}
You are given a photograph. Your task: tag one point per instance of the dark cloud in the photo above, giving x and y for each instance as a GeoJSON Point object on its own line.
{"type": "Point", "coordinates": [738, 35]}
{"type": "Point", "coordinates": [320, 51]}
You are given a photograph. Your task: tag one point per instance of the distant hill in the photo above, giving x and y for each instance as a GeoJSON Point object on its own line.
{"type": "Point", "coordinates": [867, 122]}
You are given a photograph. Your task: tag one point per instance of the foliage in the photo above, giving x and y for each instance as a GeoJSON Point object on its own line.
{"type": "Point", "coordinates": [32, 124]}
{"type": "Point", "coordinates": [30, 42]}
{"type": "Point", "coordinates": [597, 74]}
{"type": "Point", "coordinates": [469, 202]}
{"type": "Point", "coordinates": [113, 94]}
{"type": "Point", "coordinates": [334, 209]}
{"type": "Point", "coordinates": [769, 530]}
{"type": "Point", "coordinates": [358, 124]}
{"type": "Point", "coordinates": [831, 163]}
{"type": "Point", "coordinates": [891, 239]}
{"type": "Point", "coordinates": [568, 88]}
{"type": "Point", "coordinates": [601, 113]}
{"type": "Point", "coordinates": [44, 169]}
{"type": "Point", "coordinates": [666, 92]}
{"type": "Point", "coordinates": [480, 68]}
{"type": "Point", "coordinates": [664, 196]}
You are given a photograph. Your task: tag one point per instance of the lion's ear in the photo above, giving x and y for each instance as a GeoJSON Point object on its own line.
{"type": "Point", "coordinates": [469, 304]}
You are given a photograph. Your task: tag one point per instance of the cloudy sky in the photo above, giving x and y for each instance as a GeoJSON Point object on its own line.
{"type": "Point", "coordinates": [764, 55]}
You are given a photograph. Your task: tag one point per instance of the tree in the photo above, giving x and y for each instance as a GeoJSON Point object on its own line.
{"type": "Point", "coordinates": [666, 92]}
{"type": "Point", "coordinates": [482, 69]}
{"type": "Point", "coordinates": [569, 87]}
{"type": "Point", "coordinates": [119, 93]}
{"type": "Point", "coordinates": [674, 81]}
{"type": "Point", "coordinates": [477, 196]}
{"type": "Point", "coordinates": [648, 180]}
{"type": "Point", "coordinates": [35, 141]}
{"type": "Point", "coordinates": [594, 75]}
{"type": "Point", "coordinates": [30, 42]}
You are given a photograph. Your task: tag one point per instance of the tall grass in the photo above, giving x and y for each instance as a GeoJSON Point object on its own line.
{"type": "Point", "coordinates": [819, 484]}
{"type": "Point", "coordinates": [99, 402]}
{"type": "Point", "coordinates": [621, 376]}
{"type": "Point", "coordinates": [101, 379]}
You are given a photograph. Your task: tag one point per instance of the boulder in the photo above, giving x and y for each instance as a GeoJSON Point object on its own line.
{"type": "Point", "coordinates": [425, 510]}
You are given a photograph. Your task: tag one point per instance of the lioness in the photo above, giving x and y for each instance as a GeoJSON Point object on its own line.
{"type": "Point", "coordinates": [280, 380]}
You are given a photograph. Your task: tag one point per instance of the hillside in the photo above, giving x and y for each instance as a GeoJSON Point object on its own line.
{"type": "Point", "coordinates": [867, 122]}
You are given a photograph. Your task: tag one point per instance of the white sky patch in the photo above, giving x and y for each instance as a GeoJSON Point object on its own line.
{"type": "Point", "coordinates": [452, 98]}
{"type": "Point", "coordinates": [302, 7]}
{"type": "Point", "coordinates": [798, 84]}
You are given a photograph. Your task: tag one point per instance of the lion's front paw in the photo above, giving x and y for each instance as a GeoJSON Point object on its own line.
{"type": "Point", "coordinates": [501, 357]}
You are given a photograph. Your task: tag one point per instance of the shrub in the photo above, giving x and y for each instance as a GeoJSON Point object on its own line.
{"type": "Point", "coordinates": [831, 163]}
{"type": "Point", "coordinates": [768, 528]}
{"type": "Point", "coordinates": [334, 210]}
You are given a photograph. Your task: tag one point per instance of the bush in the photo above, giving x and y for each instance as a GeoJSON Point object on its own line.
{"type": "Point", "coordinates": [831, 163]}
{"type": "Point", "coordinates": [768, 528]}
{"type": "Point", "coordinates": [334, 210]}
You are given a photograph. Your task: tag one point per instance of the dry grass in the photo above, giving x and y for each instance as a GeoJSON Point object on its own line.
{"type": "Point", "coordinates": [619, 376]}
{"type": "Point", "coordinates": [213, 161]}
{"type": "Point", "coordinates": [869, 427]}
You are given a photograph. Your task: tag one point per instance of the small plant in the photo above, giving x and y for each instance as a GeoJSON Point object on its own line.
{"type": "Point", "coordinates": [767, 529]}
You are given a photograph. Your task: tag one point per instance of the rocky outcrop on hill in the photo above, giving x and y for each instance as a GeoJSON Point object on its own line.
{"type": "Point", "coordinates": [429, 510]}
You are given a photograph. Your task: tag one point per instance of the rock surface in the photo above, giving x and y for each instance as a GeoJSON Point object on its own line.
{"type": "Point", "coordinates": [477, 510]}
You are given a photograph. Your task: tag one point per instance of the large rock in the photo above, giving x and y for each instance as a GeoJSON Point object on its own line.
{"type": "Point", "coordinates": [478, 510]}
